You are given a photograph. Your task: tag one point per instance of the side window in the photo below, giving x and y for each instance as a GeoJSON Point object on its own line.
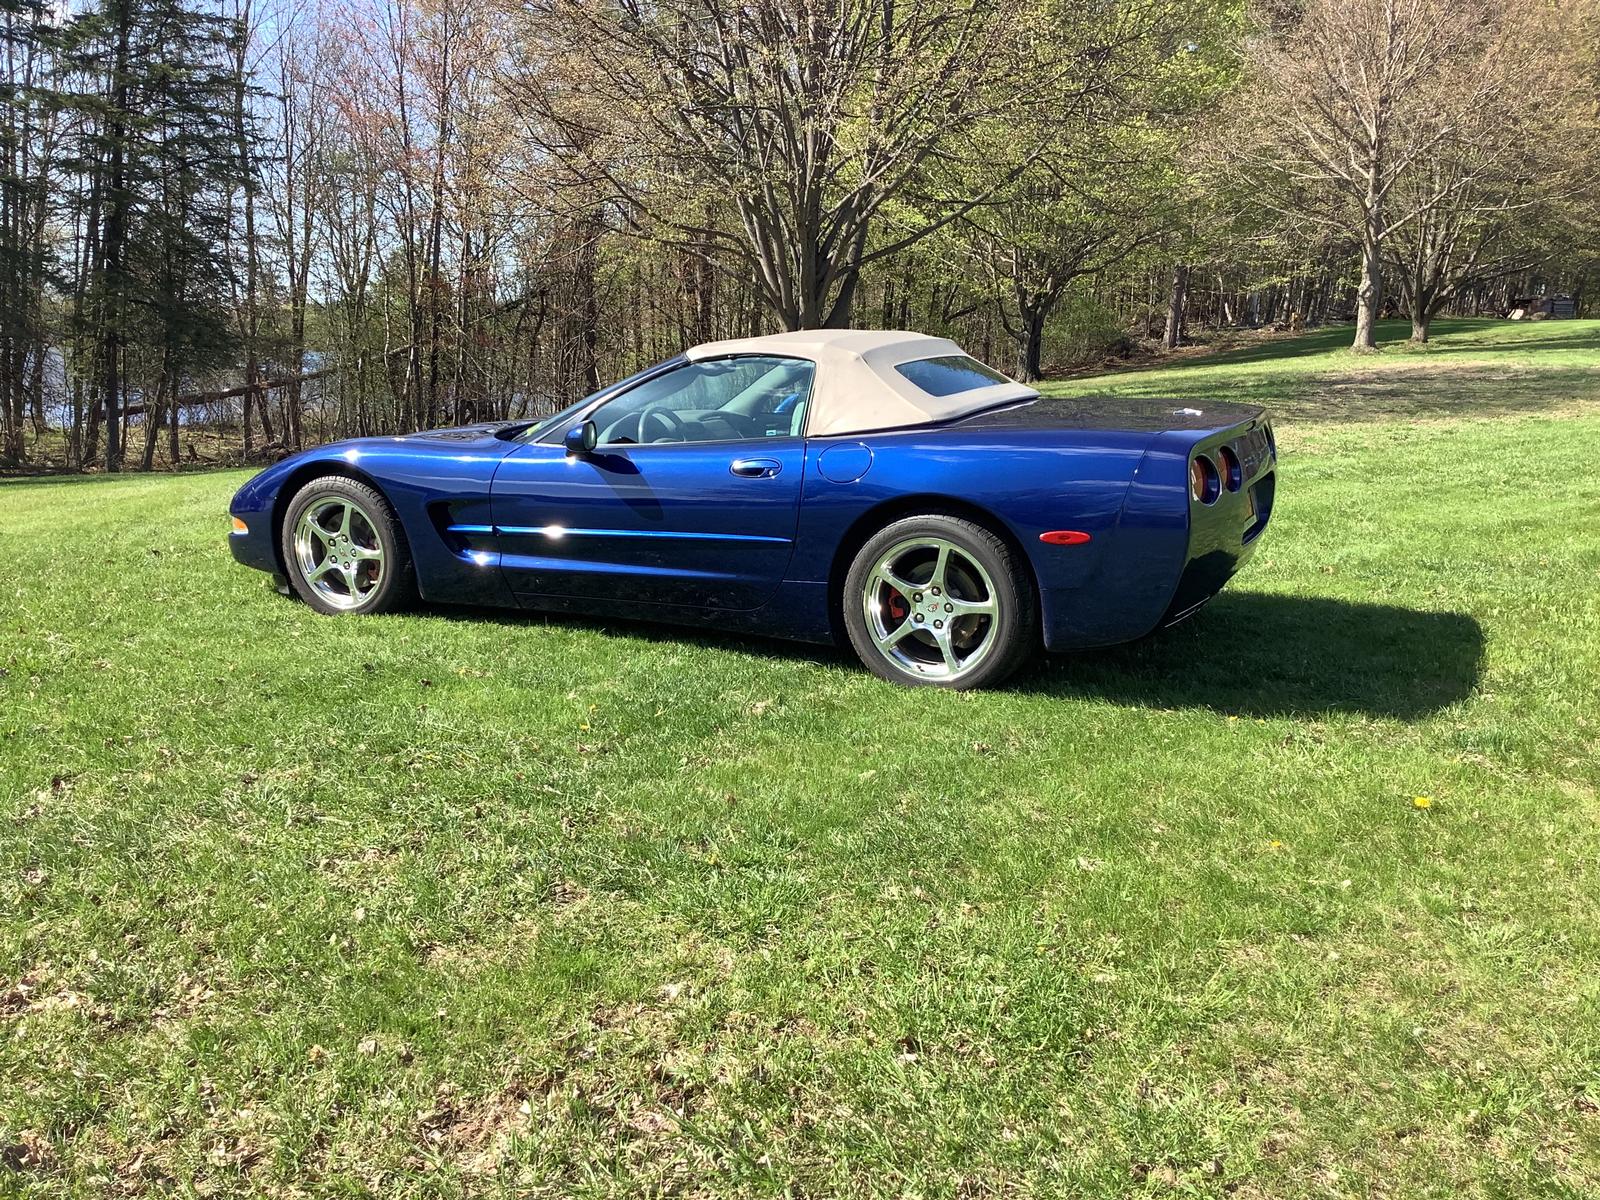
{"type": "Point", "coordinates": [728, 399]}
{"type": "Point", "coordinates": [951, 374]}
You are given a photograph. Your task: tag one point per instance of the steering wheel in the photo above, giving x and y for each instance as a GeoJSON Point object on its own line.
{"type": "Point", "coordinates": [671, 423]}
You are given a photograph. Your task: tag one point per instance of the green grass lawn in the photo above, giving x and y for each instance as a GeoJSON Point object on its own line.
{"type": "Point", "coordinates": [1476, 367]}
{"type": "Point", "coordinates": [468, 902]}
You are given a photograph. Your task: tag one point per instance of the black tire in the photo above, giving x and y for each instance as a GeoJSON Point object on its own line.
{"type": "Point", "coordinates": [380, 583]}
{"type": "Point", "coordinates": [996, 645]}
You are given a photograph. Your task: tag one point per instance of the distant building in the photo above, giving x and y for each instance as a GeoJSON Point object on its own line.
{"type": "Point", "coordinates": [1540, 308]}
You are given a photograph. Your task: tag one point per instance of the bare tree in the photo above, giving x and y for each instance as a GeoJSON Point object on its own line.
{"type": "Point", "coordinates": [1518, 141]}
{"type": "Point", "coordinates": [806, 117]}
{"type": "Point", "coordinates": [1350, 98]}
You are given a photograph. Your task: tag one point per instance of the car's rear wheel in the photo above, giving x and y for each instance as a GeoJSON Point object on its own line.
{"type": "Point", "coordinates": [940, 601]}
{"type": "Point", "coordinates": [344, 549]}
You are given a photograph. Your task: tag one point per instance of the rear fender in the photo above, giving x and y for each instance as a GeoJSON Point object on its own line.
{"type": "Point", "coordinates": [1018, 485]}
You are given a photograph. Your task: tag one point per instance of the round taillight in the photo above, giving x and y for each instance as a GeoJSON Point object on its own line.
{"type": "Point", "coordinates": [1204, 483]}
{"type": "Point", "coordinates": [1232, 475]}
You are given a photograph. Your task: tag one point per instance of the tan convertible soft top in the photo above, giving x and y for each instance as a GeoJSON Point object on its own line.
{"type": "Point", "coordinates": [857, 387]}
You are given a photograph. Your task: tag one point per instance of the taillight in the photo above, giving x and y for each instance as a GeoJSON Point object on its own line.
{"type": "Point", "coordinates": [1232, 475]}
{"type": "Point", "coordinates": [1204, 483]}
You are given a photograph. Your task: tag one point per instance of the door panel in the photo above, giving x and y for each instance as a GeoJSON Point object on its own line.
{"type": "Point", "coordinates": [700, 523]}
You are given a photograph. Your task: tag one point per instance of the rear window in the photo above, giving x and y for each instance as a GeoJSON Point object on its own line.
{"type": "Point", "coordinates": [951, 374]}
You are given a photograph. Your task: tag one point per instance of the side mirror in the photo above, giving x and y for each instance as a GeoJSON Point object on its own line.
{"type": "Point", "coordinates": [581, 438]}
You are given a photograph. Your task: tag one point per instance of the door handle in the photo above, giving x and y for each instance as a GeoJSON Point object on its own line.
{"type": "Point", "coordinates": [755, 468]}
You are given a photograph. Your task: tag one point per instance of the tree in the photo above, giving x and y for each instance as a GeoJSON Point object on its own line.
{"type": "Point", "coordinates": [1349, 98]}
{"type": "Point", "coordinates": [155, 145]}
{"type": "Point", "coordinates": [1517, 143]}
{"type": "Point", "coordinates": [247, 290]}
{"type": "Point", "coordinates": [28, 136]}
{"type": "Point", "coordinates": [805, 118]}
{"type": "Point", "coordinates": [1101, 179]}
{"type": "Point", "coordinates": [302, 221]}
{"type": "Point", "coordinates": [1057, 224]}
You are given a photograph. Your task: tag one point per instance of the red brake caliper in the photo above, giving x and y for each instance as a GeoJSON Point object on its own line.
{"type": "Point", "coordinates": [898, 608]}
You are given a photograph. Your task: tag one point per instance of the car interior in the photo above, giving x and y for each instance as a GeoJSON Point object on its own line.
{"type": "Point", "coordinates": [731, 399]}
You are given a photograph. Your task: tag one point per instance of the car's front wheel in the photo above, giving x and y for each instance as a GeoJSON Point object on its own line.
{"type": "Point", "coordinates": [344, 549]}
{"type": "Point", "coordinates": [938, 600]}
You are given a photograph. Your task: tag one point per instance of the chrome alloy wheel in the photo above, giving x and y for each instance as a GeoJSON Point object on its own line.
{"type": "Point", "coordinates": [931, 608]}
{"type": "Point", "coordinates": [337, 549]}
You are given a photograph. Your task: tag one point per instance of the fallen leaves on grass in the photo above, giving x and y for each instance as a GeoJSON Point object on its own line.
{"type": "Point", "coordinates": [34, 993]}
{"type": "Point", "coordinates": [564, 893]}
{"type": "Point", "coordinates": [30, 1152]}
{"type": "Point", "coordinates": [476, 1137]}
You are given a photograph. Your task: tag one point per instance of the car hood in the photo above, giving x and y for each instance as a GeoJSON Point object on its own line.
{"type": "Point", "coordinates": [495, 431]}
{"type": "Point", "coordinates": [385, 457]}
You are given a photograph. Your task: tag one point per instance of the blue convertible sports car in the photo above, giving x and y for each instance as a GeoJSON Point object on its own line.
{"type": "Point", "coordinates": [880, 488]}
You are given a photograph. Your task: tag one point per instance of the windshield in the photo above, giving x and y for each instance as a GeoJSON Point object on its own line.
{"type": "Point", "coordinates": [537, 431]}
{"type": "Point", "coordinates": [565, 414]}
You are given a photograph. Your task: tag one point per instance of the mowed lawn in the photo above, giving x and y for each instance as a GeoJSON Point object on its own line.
{"type": "Point", "coordinates": [1299, 899]}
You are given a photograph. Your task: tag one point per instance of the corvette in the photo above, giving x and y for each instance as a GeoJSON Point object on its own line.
{"type": "Point", "coordinates": [877, 488]}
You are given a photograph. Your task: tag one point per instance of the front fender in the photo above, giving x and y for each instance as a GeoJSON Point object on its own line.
{"type": "Point", "coordinates": [432, 486]}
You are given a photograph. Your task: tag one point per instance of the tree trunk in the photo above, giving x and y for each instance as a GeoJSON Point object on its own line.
{"type": "Point", "coordinates": [1175, 306]}
{"type": "Point", "coordinates": [36, 385]}
{"type": "Point", "coordinates": [91, 431]}
{"type": "Point", "coordinates": [849, 279]}
{"type": "Point", "coordinates": [1030, 349]}
{"type": "Point", "coordinates": [701, 284]}
{"type": "Point", "coordinates": [173, 411]}
{"type": "Point", "coordinates": [252, 321]}
{"type": "Point", "coordinates": [247, 435]}
{"type": "Point", "coordinates": [154, 418]}
{"type": "Point", "coordinates": [589, 298]}
{"type": "Point", "coordinates": [1369, 295]}
{"type": "Point", "coordinates": [112, 266]}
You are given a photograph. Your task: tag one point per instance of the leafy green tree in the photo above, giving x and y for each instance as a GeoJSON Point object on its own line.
{"type": "Point", "coordinates": [27, 141]}
{"type": "Point", "coordinates": [156, 149]}
{"type": "Point", "coordinates": [1098, 181]}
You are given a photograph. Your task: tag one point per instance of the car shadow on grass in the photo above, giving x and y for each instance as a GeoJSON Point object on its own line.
{"type": "Point", "coordinates": [644, 629]}
{"type": "Point", "coordinates": [1244, 654]}
{"type": "Point", "coordinates": [1259, 655]}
